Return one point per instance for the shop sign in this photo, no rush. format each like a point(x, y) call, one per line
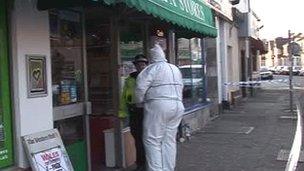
point(46, 151)
point(188, 6)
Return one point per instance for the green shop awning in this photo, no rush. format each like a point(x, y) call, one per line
point(191, 14)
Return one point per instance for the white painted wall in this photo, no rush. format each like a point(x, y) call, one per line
point(222, 56)
point(233, 59)
point(29, 35)
point(229, 61)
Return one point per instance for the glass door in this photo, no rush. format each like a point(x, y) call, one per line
point(101, 87)
point(6, 153)
point(69, 106)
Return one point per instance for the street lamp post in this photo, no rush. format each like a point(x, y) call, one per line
point(290, 74)
point(294, 49)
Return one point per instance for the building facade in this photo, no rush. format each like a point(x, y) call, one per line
point(251, 47)
point(227, 53)
point(63, 65)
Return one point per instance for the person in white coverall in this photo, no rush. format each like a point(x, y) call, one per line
point(159, 88)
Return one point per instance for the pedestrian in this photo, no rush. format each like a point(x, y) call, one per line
point(129, 109)
point(159, 89)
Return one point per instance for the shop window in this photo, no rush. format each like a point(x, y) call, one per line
point(158, 36)
point(131, 44)
point(71, 129)
point(190, 62)
point(100, 62)
point(66, 39)
point(66, 55)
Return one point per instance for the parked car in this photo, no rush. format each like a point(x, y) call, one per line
point(265, 74)
point(296, 70)
point(278, 69)
point(192, 79)
point(272, 69)
point(301, 72)
point(284, 70)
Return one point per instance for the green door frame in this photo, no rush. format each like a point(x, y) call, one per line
point(6, 144)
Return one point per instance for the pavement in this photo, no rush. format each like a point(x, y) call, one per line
point(256, 135)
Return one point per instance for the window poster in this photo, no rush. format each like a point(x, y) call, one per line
point(6, 145)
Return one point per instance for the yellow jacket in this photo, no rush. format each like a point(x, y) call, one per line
point(127, 96)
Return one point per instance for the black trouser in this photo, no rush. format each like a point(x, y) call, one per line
point(136, 125)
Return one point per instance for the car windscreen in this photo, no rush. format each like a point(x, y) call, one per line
point(191, 72)
point(263, 70)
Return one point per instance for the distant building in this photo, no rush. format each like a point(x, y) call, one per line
point(278, 53)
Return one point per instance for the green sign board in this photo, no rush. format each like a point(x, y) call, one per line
point(6, 149)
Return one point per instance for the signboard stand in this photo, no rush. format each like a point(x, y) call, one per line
point(46, 151)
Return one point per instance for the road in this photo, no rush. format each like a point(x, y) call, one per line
point(282, 82)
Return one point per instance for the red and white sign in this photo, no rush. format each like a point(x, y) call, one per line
point(51, 160)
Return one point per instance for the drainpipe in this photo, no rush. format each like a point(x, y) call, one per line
point(219, 62)
point(248, 74)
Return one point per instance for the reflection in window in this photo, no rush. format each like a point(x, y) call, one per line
point(131, 44)
point(66, 55)
point(71, 129)
point(189, 57)
point(99, 63)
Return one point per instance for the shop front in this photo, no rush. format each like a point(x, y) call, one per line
point(113, 33)
point(90, 47)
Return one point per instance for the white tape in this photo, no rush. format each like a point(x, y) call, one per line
point(257, 83)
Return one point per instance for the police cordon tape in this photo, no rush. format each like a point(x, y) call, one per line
point(257, 83)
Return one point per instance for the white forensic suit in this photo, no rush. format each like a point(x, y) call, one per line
point(159, 88)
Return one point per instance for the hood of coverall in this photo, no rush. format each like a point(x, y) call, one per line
point(157, 54)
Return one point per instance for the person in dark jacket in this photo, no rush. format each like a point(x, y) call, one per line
point(128, 108)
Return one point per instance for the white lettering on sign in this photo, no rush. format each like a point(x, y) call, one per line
point(3, 152)
point(191, 7)
point(3, 157)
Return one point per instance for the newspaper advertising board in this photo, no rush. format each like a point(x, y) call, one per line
point(46, 151)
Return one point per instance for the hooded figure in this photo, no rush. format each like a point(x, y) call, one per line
point(159, 88)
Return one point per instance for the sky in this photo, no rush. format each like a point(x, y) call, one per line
point(279, 16)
